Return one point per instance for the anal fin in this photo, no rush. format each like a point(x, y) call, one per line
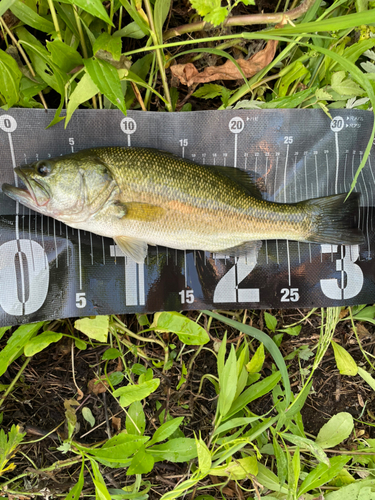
point(133, 248)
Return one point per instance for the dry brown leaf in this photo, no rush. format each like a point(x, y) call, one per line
point(97, 387)
point(189, 75)
point(362, 331)
point(116, 423)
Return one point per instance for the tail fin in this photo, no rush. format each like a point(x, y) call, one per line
point(336, 220)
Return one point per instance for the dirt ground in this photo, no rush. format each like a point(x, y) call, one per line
point(37, 402)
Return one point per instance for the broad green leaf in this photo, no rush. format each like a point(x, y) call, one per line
point(345, 86)
point(254, 392)
point(135, 422)
point(3, 330)
point(132, 393)
point(116, 378)
point(271, 321)
point(85, 90)
point(221, 355)
point(88, 416)
point(235, 422)
point(161, 10)
point(360, 490)
point(209, 91)
point(118, 449)
point(136, 16)
point(106, 78)
point(31, 18)
point(93, 7)
point(292, 101)
point(175, 450)
point(367, 314)
point(64, 56)
point(95, 328)
point(323, 473)
point(281, 461)
point(142, 462)
point(132, 30)
point(268, 344)
point(256, 362)
point(237, 469)
point(10, 77)
point(5, 5)
point(42, 62)
point(204, 456)
point(294, 71)
point(80, 344)
point(366, 377)
point(111, 354)
point(16, 344)
point(291, 330)
point(188, 331)
point(314, 448)
point(345, 363)
point(40, 342)
point(29, 88)
point(212, 11)
point(109, 43)
point(8, 446)
point(101, 491)
point(228, 383)
point(269, 480)
point(166, 430)
point(179, 490)
point(299, 401)
point(75, 492)
point(335, 431)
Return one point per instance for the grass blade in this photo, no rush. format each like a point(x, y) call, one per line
point(266, 340)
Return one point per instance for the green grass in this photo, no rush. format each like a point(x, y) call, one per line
point(97, 55)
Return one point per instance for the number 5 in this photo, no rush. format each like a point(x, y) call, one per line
point(81, 300)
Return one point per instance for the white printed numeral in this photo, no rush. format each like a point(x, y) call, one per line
point(354, 276)
point(236, 125)
point(81, 300)
point(289, 295)
point(134, 278)
point(288, 139)
point(227, 289)
point(187, 296)
point(24, 277)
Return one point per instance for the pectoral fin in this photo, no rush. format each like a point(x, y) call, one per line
point(144, 212)
point(133, 248)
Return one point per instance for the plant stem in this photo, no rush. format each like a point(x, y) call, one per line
point(55, 19)
point(23, 54)
point(10, 388)
point(159, 55)
point(247, 20)
point(83, 45)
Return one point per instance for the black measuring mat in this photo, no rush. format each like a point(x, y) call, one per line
point(49, 270)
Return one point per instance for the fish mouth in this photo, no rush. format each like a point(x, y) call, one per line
point(34, 195)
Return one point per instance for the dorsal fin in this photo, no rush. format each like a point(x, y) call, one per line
point(247, 180)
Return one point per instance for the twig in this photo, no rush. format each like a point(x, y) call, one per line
point(159, 55)
point(247, 20)
point(138, 96)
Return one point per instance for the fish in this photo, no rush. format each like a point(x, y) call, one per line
point(143, 196)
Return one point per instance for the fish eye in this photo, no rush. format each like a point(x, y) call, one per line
point(43, 168)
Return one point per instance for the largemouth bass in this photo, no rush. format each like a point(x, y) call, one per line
point(140, 197)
